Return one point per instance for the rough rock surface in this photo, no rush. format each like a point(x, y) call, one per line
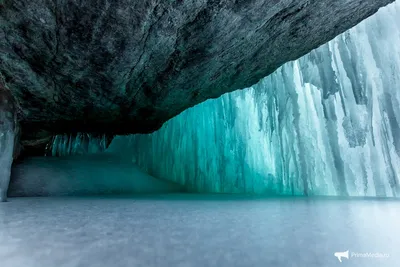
point(127, 66)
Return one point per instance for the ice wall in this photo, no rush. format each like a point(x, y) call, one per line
point(326, 124)
point(77, 144)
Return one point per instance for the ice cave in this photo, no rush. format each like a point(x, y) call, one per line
point(325, 124)
point(199, 133)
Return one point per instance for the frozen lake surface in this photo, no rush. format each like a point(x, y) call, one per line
point(197, 230)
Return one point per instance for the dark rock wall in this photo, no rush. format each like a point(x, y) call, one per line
point(127, 66)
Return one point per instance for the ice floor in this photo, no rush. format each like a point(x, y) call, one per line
point(198, 230)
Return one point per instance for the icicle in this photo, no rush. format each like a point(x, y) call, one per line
point(77, 144)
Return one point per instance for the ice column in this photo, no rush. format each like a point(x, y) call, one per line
point(7, 139)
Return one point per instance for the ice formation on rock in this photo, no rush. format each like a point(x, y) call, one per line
point(77, 144)
point(8, 132)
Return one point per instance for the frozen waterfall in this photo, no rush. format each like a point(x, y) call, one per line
point(326, 124)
